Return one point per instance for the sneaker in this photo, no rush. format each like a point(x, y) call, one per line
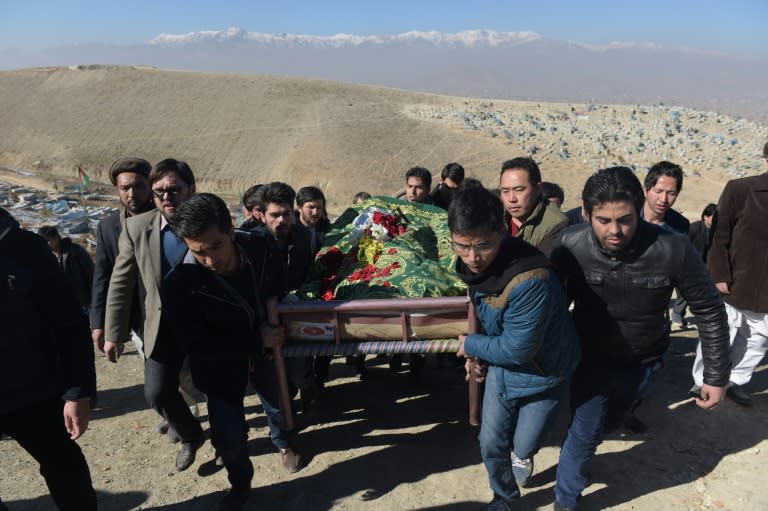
point(522, 470)
point(560, 507)
point(291, 460)
point(186, 455)
point(234, 500)
point(695, 391)
point(738, 395)
point(498, 504)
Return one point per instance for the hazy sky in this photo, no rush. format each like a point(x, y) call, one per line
point(728, 25)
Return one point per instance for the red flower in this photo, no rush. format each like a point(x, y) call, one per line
point(392, 251)
point(386, 284)
point(328, 295)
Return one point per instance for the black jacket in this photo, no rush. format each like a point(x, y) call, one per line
point(296, 257)
point(107, 236)
point(78, 264)
point(216, 320)
point(45, 345)
point(701, 238)
point(621, 301)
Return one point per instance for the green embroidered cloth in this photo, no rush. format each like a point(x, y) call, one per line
point(415, 263)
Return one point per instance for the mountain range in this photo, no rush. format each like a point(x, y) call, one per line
point(474, 63)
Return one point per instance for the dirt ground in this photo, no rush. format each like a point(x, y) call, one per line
point(385, 444)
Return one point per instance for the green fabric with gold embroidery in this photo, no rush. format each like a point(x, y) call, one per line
point(419, 262)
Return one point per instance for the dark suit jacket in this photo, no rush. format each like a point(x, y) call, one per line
point(700, 237)
point(107, 236)
point(139, 259)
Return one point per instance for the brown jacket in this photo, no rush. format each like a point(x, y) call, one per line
point(140, 257)
point(739, 252)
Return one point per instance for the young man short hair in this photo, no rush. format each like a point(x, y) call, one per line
point(451, 178)
point(663, 184)
point(529, 215)
point(527, 339)
point(620, 271)
point(418, 182)
point(216, 305)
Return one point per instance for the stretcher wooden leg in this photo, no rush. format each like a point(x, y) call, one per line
point(282, 389)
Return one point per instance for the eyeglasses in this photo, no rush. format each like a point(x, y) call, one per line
point(171, 191)
point(480, 248)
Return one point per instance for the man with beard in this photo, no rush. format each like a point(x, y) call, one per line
point(148, 249)
point(450, 179)
point(129, 177)
point(620, 272)
point(529, 215)
point(310, 212)
point(290, 243)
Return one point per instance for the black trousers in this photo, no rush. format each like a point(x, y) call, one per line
point(40, 430)
point(161, 388)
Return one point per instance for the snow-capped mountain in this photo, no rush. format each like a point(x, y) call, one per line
point(469, 38)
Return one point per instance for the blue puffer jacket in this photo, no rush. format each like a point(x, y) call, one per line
point(528, 337)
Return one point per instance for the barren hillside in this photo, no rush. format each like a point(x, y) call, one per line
point(237, 130)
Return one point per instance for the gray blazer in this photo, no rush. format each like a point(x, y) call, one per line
point(140, 257)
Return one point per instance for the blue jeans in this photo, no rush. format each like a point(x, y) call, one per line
point(513, 424)
point(601, 398)
point(264, 381)
point(229, 436)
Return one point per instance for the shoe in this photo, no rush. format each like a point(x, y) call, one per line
point(291, 460)
point(560, 507)
point(522, 470)
point(162, 428)
point(738, 395)
point(695, 391)
point(307, 396)
point(234, 500)
point(498, 504)
point(186, 455)
point(172, 436)
point(635, 425)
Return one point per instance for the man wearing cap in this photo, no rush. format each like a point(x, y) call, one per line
point(129, 177)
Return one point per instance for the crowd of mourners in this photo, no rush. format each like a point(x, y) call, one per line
point(572, 305)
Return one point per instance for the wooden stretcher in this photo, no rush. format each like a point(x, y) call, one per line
point(373, 326)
